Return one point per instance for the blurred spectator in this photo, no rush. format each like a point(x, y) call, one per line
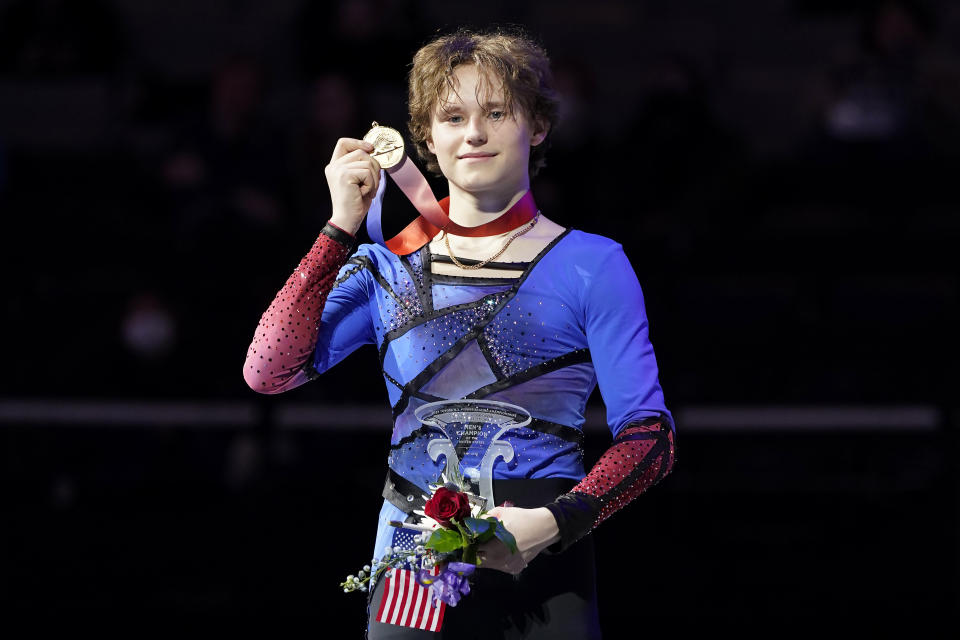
point(227, 188)
point(226, 172)
point(3, 166)
point(55, 38)
point(330, 112)
point(874, 147)
point(685, 161)
point(577, 85)
point(876, 92)
point(149, 328)
point(370, 39)
point(370, 43)
point(572, 145)
point(244, 464)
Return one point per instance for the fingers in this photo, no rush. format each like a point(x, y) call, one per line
point(353, 164)
point(347, 145)
point(364, 172)
point(362, 175)
point(353, 177)
point(495, 555)
point(357, 154)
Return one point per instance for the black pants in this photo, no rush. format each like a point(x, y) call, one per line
point(552, 599)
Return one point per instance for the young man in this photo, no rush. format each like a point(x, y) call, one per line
point(523, 312)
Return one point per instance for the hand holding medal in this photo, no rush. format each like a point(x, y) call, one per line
point(353, 177)
point(388, 151)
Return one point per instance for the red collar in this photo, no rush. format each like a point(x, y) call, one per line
point(518, 215)
point(421, 231)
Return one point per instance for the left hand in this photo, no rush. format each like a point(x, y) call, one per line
point(534, 530)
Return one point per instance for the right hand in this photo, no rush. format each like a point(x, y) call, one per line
point(533, 529)
point(353, 177)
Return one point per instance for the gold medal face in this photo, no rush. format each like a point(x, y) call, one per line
point(387, 145)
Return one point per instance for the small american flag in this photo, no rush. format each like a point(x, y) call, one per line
point(409, 604)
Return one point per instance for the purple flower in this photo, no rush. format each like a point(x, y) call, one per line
point(451, 584)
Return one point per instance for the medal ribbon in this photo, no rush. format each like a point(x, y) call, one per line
point(434, 216)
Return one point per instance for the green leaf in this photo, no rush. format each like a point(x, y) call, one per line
point(480, 530)
point(506, 537)
point(444, 540)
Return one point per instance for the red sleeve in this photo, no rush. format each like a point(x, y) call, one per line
point(286, 337)
point(641, 455)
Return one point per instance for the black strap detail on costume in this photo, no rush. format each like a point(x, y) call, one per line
point(402, 493)
point(440, 278)
point(428, 316)
point(426, 300)
point(309, 370)
point(390, 378)
point(578, 356)
point(339, 235)
point(424, 254)
point(561, 431)
point(349, 272)
point(527, 493)
point(662, 447)
point(488, 356)
point(367, 264)
point(660, 419)
point(426, 258)
point(506, 266)
point(427, 374)
point(410, 437)
point(576, 513)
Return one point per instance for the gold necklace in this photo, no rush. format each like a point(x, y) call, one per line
point(480, 265)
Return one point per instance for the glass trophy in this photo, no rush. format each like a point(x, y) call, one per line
point(470, 439)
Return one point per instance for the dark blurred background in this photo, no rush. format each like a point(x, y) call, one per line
point(778, 171)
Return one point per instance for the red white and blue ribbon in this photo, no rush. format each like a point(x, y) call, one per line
point(434, 215)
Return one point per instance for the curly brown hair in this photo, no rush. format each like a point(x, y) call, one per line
point(510, 56)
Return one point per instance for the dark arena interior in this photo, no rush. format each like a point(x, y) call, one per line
point(778, 174)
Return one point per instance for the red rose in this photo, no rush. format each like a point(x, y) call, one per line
point(447, 505)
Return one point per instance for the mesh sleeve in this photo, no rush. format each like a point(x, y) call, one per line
point(640, 456)
point(285, 339)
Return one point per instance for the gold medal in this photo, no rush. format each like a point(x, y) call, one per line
point(387, 145)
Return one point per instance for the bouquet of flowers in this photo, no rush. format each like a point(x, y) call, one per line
point(452, 527)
